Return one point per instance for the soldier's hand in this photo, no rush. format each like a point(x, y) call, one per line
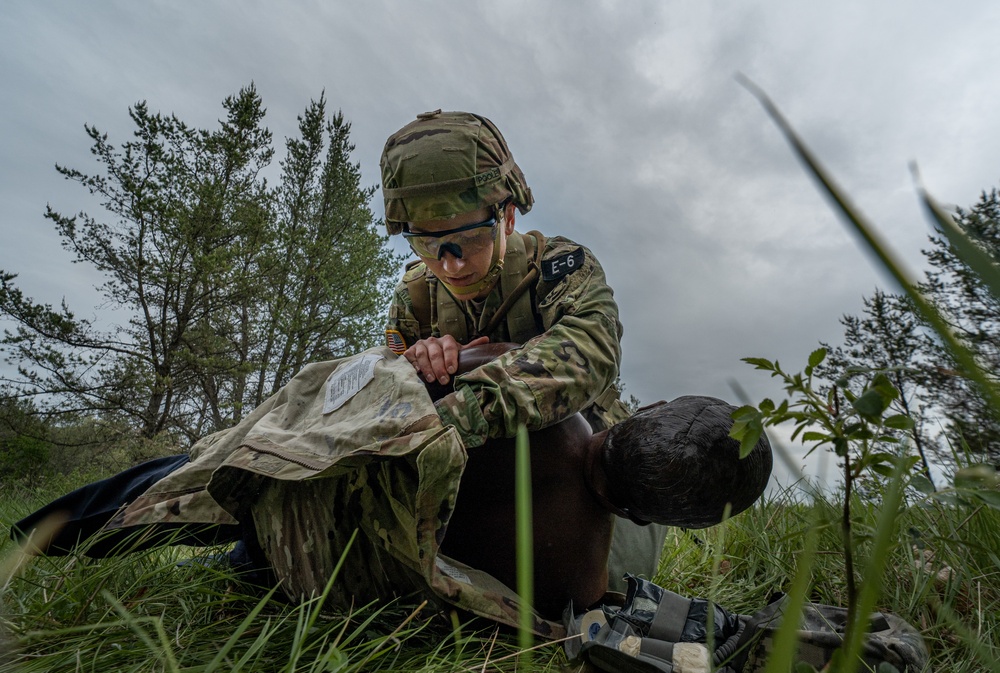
point(436, 359)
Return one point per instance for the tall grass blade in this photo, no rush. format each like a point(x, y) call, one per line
point(162, 650)
point(786, 641)
point(963, 356)
point(310, 609)
point(985, 654)
point(391, 637)
point(238, 633)
point(713, 592)
point(525, 550)
point(871, 586)
point(970, 252)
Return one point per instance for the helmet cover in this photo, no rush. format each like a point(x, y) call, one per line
point(445, 164)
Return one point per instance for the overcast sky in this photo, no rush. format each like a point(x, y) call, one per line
point(625, 117)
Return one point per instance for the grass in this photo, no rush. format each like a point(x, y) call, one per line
point(143, 613)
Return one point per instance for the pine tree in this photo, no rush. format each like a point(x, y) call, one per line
point(230, 285)
point(887, 337)
point(936, 393)
point(974, 315)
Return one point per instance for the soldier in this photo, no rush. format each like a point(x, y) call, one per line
point(452, 189)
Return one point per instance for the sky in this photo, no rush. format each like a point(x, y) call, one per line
point(626, 118)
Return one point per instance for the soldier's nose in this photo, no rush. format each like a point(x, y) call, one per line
point(452, 263)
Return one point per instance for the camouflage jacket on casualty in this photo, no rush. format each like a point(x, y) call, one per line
point(570, 359)
point(381, 463)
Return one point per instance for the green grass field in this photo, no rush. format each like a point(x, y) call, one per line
point(144, 613)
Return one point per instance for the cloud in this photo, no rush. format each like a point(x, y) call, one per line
point(624, 116)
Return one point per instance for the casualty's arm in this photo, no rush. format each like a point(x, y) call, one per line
point(469, 359)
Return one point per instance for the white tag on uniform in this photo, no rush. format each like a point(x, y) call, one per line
point(347, 380)
point(451, 571)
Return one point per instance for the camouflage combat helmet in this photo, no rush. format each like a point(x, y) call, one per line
point(445, 164)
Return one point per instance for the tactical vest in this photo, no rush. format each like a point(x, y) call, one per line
point(434, 306)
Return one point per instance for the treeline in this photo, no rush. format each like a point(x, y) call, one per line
point(229, 284)
point(950, 412)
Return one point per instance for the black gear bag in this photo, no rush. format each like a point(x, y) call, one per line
point(658, 631)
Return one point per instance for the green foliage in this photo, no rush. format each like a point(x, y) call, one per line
point(820, 419)
point(856, 433)
point(21, 458)
point(936, 389)
point(963, 283)
point(24, 448)
point(229, 285)
point(879, 393)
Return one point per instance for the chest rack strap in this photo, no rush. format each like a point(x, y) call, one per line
point(420, 298)
point(535, 266)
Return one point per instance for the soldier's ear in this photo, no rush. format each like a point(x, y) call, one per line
point(508, 218)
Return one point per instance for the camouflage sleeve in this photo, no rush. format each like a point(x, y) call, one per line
point(557, 373)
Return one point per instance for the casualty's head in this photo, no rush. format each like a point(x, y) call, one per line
point(451, 188)
point(675, 463)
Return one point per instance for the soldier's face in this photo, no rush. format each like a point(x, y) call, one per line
point(472, 266)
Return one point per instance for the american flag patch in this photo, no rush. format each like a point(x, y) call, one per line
point(395, 341)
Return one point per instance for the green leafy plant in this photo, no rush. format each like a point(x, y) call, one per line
point(853, 426)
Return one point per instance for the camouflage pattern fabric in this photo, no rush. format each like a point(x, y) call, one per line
point(563, 370)
point(381, 463)
point(653, 629)
point(891, 640)
point(444, 164)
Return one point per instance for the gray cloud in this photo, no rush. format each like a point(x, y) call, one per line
point(625, 117)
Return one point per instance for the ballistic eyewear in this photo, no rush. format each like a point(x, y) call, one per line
point(468, 239)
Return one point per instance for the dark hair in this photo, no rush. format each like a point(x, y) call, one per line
point(674, 463)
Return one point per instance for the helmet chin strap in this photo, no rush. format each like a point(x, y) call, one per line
point(487, 282)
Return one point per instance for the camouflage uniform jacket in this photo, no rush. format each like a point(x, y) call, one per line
point(347, 445)
point(568, 323)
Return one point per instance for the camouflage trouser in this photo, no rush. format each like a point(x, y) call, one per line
point(305, 528)
point(890, 639)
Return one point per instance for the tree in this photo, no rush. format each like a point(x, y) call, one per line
point(891, 336)
point(325, 264)
point(230, 285)
point(887, 338)
point(24, 445)
point(974, 315)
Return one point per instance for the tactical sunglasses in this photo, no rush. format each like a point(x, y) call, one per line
point(468, 239)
